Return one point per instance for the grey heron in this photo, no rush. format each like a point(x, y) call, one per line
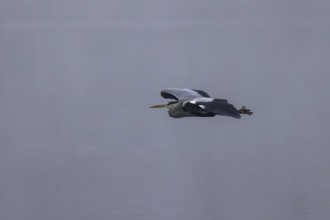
point(197, 103)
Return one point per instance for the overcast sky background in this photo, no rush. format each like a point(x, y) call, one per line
point(78, 141)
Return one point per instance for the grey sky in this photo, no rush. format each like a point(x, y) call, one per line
point(78, 140)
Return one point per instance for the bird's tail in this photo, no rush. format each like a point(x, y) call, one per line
point(245, 111)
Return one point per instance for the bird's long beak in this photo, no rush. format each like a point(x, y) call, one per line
point(159, 106)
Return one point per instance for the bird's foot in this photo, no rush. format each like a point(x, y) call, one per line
point(245, 111)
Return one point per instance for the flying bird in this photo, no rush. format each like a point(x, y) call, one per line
point(197, 103)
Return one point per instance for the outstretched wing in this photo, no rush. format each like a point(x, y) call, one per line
point(208, 106)
point(178, 93)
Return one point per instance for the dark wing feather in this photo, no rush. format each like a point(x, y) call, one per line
point(167, 95)
point(196, 110)
point(202, 93)
point(221, 100)
point(220, 107)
